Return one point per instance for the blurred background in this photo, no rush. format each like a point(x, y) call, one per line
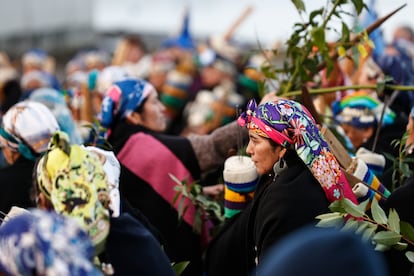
point(62, 27)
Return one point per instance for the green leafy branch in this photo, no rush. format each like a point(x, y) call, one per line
point(401, 163)
point(385, 232)
point(205, 208)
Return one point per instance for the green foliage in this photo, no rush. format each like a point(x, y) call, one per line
point(401, 163)
point(307, 50)
point(97, 132)
point(179, 267)
point(205, 208)
point(385, 232)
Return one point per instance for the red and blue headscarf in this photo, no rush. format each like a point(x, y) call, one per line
point(122, 98)
point(290, 124)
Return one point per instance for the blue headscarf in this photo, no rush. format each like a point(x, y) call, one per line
point(45, 243)
point(122, 98)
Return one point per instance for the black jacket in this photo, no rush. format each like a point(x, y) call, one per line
point(16, 185)
point(281, 205)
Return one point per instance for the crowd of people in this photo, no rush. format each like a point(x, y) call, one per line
point(89, 161)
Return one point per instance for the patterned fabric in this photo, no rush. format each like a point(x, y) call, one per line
point(74, 180)
point(123, 98)
point(27, 128)
point(290, 124)
point(361, 110)
point(112, 169)
point(45, 243)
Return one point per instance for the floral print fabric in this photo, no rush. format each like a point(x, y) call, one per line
point(290, 124)
point(45, 243)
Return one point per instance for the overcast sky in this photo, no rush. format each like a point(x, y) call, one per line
point(271, 20)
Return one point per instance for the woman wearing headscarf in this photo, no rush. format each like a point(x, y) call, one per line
point(136, 120)
point(299, 178)
point(74, 181)
point(24, 135)
point(359, 115)
point(45, 243)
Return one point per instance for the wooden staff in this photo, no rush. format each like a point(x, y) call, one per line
point(227, 36)
point(358, 38)
point(341, 154)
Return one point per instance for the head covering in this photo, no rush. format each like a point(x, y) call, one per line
point(56, 102)
point(184, 40)
point(27, 127)
point(74, 180)
point(361, 111)
point(112, 169)
point(290, 124)
point(108, 76)
point(34, 57)
point(45, 243)
point(323, 252)
point(122, 98)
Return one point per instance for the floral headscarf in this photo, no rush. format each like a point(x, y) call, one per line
point(45, 243)
point(74, 180)
point(290, 124)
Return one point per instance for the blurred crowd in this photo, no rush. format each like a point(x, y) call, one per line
point(102, 145)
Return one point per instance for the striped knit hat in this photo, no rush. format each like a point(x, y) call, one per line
point(240, 177)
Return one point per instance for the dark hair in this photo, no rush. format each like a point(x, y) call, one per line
point(140, 108)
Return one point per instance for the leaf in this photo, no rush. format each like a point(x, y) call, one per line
point(361, 227)
point(330, 222)
point(362, 50)
point(299, 5)
point(345, 33)
point(337, 206)
point(341, 51)
point(410, 256)
point(179, 267)
point(318, 36)
point(363, 205)
point(315, 13)
point(377, 213)
point(352, 209)
point(400, 246)
point(330, 215)
point(369, 232)
point(359, 5)
point(350, 225)
point(407, 230)
point(382, 247)
point(394, 220)
point(386, 238)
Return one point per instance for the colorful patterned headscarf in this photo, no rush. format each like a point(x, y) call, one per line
point(27, 127)
point(361, 110)
point(122, 98)
point(290, 124)
point(45, 243)
point(74, 180)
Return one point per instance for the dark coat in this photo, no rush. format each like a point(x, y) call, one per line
point(281, 205)
point(133, 250)
point(16, 185)
point(181, 243)
point(385, 145)
point(402, 201)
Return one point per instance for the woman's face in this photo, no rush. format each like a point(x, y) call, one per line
point(263, 154)
point(357, 136)
point(153, 113)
